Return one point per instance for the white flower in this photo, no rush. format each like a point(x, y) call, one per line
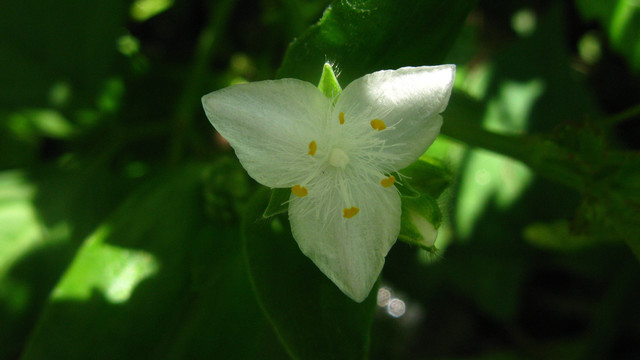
point(338, 160)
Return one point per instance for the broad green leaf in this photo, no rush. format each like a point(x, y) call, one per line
point(361, 37)
point(156, 280)
point(44, 214)
point(312, 318)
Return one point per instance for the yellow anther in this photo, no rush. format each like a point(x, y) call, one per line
point(299, 191)
point(312, 148)
point(378, 124)
point(341, 117)
point(387, 182)
point(351, 212)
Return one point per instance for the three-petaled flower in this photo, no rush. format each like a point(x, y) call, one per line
point(338, 157)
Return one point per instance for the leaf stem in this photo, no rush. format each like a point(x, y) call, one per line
point(625, 115)
point(544, 157)
point(189, 102)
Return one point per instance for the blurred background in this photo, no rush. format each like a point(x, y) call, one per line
point(127, 226)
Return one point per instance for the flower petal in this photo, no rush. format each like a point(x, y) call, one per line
point(351, 251)
point(270, 125)
point(408, 101)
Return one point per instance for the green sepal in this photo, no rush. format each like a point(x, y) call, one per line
point(329, 83)
point(406, 190)
point(421, 218)
point(426, 177)
point(278, 203)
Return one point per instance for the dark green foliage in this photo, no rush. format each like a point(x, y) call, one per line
point(129, 230)
point(360, 37)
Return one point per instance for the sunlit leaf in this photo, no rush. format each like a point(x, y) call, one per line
point(621, 20)
point(44, 213)
point(159, 280)
point(36, 122)
point(20, 229)
point(112, 270)
point(142, 10)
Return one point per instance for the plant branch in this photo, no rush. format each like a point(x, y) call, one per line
point(623, 116)
point(544, 157)
point(189, 102)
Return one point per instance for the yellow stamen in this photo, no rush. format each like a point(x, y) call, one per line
point(351, 212)
point(312, 148)
point(299, 191)
point(387, 182)
point(341, 118)
point(378, 124)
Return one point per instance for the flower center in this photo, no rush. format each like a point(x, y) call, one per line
point(338, 158)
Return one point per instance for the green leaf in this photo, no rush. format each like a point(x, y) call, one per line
point(361, 37)
point(45, 122)
point(142, 10)
point(45, 213)
point(610, 208)
point(329, 83)
point(156, 280)
point(313, 319)
point(278, 203)
point(625, 32)
point(15, 152)
point(491, 276)
point(18, 234)
point(557, 236)
point(621, 19)
point(522, 95)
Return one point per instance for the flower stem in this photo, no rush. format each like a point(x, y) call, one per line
point(189, 102)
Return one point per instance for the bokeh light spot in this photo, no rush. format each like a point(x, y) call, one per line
point(523, 22)
point(396, 308)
